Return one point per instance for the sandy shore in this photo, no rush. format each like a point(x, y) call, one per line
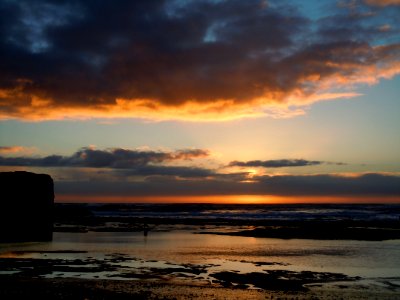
point(38, 288)
point(230, 270)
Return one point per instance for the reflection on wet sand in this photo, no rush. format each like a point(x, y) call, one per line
point(134, 255)
point(211, 256)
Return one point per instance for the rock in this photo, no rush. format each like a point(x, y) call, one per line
point(26, 207)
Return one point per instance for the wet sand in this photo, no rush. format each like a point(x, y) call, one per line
point(27, 279)
point(52, 276)
point(39, 288)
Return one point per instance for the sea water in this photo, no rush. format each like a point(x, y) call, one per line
point(184, 245)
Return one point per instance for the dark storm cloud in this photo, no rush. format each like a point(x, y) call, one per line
point(279, 163)
point(113, 158)
point(88, 52)
point(289, 185)
point(87, 55)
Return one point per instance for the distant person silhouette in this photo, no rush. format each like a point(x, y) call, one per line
point(146, 229)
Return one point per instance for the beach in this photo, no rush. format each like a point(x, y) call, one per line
point(112, 289)
point(211, 252)
point(200, 149)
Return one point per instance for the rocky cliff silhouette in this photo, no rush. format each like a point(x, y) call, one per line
point(26, 207)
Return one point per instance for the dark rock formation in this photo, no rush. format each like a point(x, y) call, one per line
point(26, 207)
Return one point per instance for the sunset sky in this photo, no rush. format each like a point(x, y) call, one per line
point(203, 100)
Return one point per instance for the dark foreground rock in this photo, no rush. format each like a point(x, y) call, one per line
point(280, 280)
point(26, 207)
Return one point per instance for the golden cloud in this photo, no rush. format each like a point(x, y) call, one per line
point(11, 149)
point(242, 61)
point(382, 2)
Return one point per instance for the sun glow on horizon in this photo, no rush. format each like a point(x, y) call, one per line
point(227, 199)
point(173, 115)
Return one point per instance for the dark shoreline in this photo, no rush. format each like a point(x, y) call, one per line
point(326, 221)
point(310, 229)
point(272, 280)
point(316, 230)
point(319, 230)
point(72, 289)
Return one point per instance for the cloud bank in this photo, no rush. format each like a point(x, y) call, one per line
point(136, 173)
point(116, 158)
point(373, 184)
point(279, 163)
point(190, 60)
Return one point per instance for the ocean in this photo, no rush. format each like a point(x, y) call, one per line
point(200, 243)
point(228, 212)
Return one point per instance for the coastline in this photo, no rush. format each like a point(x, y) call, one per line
point(109, 256)
point(307, 221)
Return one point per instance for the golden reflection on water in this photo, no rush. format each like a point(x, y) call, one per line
point(243, 254)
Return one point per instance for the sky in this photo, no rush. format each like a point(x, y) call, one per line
point(224, 101)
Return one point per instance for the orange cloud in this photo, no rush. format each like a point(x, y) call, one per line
point(242, 61)
point(11, 149)
point(7, 150)
point(382, 2)
point(319, 80)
